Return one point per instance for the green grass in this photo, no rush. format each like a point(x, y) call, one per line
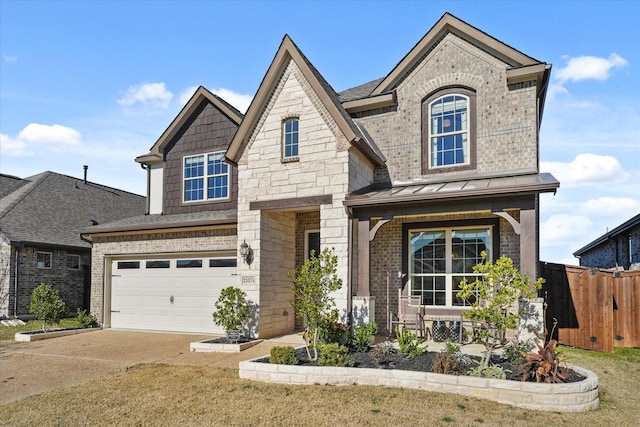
point(158, 394)
point(7, 333)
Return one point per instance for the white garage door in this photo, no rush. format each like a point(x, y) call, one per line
point(169, 294)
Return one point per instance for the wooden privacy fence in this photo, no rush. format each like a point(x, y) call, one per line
point(596, 309)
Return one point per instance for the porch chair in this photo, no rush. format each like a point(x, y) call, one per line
point(410, 315)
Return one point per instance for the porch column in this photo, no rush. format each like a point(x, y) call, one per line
point(362, 289)
point(528, 243)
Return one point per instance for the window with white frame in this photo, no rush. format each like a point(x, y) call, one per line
point(43, 259)
point(73, 262)
point(290, 139)
point(439, 259)
point(449, 131)
point(448, 139)
point(206, 177)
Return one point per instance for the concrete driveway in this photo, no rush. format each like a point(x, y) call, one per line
point(28, 369)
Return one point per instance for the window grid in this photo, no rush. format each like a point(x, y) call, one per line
point(449, 131)
point(291, 138)
point(216, 177)
point(43, 259)
point(441, 259)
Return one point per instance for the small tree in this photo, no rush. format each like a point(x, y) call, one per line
point(492, 297)
point(312, 286)
point(46, 305)
point(232, 309)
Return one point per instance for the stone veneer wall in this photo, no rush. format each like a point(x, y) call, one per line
point(5, 275)
point(322, 168)
point(570, 397)
point(386, 256)
point(506, 118)
point(106, 248)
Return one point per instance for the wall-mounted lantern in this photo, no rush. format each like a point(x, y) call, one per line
point(246, 252)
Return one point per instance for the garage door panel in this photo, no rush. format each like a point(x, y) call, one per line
point(141, 298)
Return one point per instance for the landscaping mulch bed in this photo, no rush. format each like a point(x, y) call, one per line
point(423, 362)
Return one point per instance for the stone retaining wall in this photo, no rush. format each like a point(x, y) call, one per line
point(571, 397)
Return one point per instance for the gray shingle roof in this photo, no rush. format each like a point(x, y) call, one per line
point(359, 92)
point(49, 208)
point(159, 221)
point(9, 184)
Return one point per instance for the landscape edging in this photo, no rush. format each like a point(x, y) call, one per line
point(566, 397)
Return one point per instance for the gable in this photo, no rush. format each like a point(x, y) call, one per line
point(326, 96)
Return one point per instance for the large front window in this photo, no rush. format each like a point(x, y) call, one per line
point(449, 131)
point(206, 183)
point(440, 259)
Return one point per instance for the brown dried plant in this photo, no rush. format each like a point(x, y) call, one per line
point(545, 366)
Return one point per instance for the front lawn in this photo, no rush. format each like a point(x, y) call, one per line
point(7, 333)
point(157, 394)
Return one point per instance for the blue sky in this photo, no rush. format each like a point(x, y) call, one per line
point(97, 82)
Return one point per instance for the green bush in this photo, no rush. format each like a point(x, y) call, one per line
point(335, 354)
point(330, 329)
point(46, 305)
point(232, 309)
point(362, 336)
point(86, 320)
point(409, 344)
point(284, 355)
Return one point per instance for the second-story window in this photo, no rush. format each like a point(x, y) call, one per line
point(206, 177)
point(448, 140)
point(290, 139)
point(449, 131)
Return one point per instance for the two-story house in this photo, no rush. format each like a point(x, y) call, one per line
point(408, 179)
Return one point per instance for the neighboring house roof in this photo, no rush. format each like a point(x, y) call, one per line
point(454, 189)
point(9, 184)
point(164, 222)
point(621, 229)
point(288, 51)
point(184, 118)
point(49, 208)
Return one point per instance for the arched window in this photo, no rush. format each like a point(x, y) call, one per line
point(448, 124)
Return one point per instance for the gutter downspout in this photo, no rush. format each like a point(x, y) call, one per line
point(16, 280)
point(148, 169)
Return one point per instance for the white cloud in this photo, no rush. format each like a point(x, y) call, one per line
point(12, 147)
point(41, 136)
point(586, 170)
point(238, 100)
point(562, 229)
point(616, 208)
point(45, 134)
point(186, 94)
point(589, 67)
point(154, 95)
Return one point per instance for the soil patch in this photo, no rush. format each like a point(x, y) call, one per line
point(423, 363)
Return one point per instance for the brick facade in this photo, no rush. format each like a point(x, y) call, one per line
point(72, 284)
point(620, 251)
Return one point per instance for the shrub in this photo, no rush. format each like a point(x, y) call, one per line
point(330, 329)
point(451, 348)
point(284, 355)
point(46, 305)
point(514, 352)
point(86, 320)
point(409, 344)
point(445, 363)
point(492, 296)
point(232, 309)
point(313, 284)
point(335, 354)
point(362, 336)
point(491, 371)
